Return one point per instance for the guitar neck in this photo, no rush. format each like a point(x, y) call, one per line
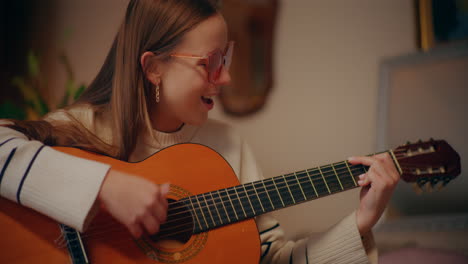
point(226, 206)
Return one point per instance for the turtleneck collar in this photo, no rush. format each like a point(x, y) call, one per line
point(162, 140)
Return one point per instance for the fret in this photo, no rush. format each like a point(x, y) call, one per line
point(300, 186)
point(395, 161)
point(285, 193)
point(229, 202)
point(195, 211)
point(208, 208)
point(344, 176)
point(279, 194)
point(216, 208)
point(224, 207)
point(244, 200)
point(331, 179)
point(336, 174)
point(289, 190)
point(323, 177)
point(264, 193)
point(254, 197)
point(350, 173)
point(306, 184)
point(204, 210)
point(312, 183)
point(294, 188)
point(318, 182)
point(361, 169)
point(248, 198)
point(237, 201)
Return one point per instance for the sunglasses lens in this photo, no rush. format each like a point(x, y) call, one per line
point(228, 56)
point(214, 66)
point(217, 60)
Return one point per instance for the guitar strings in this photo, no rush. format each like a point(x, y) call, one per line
point(286, 180)
point(247, 195)
point(269, 183)
point(242, 193)
point(189, 223)
point(208, 206)
point(122, 231)
point(314, 176)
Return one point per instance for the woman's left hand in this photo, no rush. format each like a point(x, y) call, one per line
point(378, 185)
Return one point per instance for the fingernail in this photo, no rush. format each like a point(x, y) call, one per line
point(350, 158)
point(360, 182)
point(361, 176)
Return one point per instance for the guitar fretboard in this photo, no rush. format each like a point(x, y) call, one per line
point(222, 207)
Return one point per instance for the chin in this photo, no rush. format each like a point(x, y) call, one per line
point(199, 121)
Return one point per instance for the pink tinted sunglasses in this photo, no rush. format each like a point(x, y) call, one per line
point(214, 61)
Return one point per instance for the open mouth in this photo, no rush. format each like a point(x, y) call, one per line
point(207, 100)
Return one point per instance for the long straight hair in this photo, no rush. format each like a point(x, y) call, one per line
point(121, 91)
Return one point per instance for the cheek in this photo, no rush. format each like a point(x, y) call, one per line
point(186, 76)
point(182, 92)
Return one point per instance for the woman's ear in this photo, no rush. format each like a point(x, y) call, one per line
point(151, 67)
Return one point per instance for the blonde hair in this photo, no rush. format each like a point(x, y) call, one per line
point(121, 89)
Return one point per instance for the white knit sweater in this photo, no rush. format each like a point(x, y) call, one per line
point(65, 187)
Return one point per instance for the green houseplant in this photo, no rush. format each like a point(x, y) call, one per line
point(33, 106)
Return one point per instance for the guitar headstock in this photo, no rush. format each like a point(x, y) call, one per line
point(428, 164)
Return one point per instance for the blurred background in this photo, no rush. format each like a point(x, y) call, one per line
point(347, 78)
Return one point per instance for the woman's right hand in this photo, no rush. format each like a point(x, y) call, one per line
point(135, 202)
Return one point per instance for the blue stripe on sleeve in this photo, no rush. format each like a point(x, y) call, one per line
point(26, 174)
point(12, 153)
point(268, 244)
point(269, 229)
point(6, 141)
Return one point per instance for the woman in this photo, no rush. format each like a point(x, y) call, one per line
point(155, 89)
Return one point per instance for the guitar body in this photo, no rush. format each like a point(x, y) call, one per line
point(29, 237)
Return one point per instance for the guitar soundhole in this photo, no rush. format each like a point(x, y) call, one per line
point(177, 230)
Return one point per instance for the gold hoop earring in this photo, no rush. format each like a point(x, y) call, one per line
point(157, 94)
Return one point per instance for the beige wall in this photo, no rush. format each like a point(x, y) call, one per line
point(323, 106)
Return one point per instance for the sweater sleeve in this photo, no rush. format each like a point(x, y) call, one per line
point(53, 183)
point(342, 243)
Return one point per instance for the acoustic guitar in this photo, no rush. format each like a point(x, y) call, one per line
point(210, 215)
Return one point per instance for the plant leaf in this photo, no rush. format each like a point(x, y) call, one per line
point(9, 110)
point(31, 96)
point(79, 92)
point(33, 64)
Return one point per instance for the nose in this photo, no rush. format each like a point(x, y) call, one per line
point(224, 77)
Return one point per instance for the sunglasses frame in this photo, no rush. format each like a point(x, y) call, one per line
point(214, 71)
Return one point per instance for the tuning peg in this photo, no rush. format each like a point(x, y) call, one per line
point(417, 189)
point(442, 170)
point(439, 185)
point(446, 180)
point(428, 187)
